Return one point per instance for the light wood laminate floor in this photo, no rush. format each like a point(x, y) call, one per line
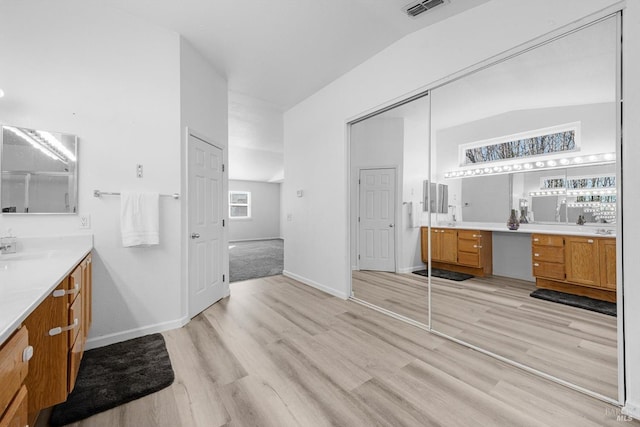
point(279, 353)
point(497, 314)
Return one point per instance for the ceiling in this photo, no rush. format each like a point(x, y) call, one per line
point(282, 51)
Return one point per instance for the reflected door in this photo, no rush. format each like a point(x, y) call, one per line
point(377, 219)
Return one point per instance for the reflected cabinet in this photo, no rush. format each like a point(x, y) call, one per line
point(460, 250)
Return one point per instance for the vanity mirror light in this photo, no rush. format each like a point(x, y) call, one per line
point(39, 171)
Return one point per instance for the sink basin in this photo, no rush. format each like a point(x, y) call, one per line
point(22, 256)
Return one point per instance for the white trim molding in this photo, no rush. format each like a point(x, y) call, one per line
point(104, 340)
point(316, 285)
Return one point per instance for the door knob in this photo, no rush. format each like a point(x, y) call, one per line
point(195, 236)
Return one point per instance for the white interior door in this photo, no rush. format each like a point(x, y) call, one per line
point(206, 217)
point(377, 220)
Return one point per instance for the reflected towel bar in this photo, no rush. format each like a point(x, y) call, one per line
point(98, 193)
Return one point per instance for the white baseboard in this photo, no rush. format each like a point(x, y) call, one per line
point(96, 342)
point(316, 285)
point(632, 410)
point(253, 240)
point(411, 269)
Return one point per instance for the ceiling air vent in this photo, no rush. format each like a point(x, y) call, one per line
point(415, 9)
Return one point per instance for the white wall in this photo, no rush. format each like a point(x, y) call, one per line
point(255, 139)
point(415, 171)
point(315, 135)
point(203, 111)
point(265, 212)
point(114, 81)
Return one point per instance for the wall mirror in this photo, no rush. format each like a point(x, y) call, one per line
point(538, 134)
point(39, 172)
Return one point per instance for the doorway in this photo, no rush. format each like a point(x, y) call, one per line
point(205, 224)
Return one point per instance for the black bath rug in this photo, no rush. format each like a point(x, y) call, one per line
point(445, 274)
point(116, 374)
point(604, 307)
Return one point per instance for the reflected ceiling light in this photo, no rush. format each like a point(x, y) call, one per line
point(602, 158)
point(57, 145)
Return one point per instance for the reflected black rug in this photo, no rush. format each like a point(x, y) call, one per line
point(116, 374)
point(604, 307)
point(445, 274)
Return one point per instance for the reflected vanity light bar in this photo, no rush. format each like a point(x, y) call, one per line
point(20, 133)
point(523, 166)
point(576, 192)
point(53, 141)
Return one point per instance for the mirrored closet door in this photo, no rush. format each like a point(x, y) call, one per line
point(528, 150)
point(389, 155)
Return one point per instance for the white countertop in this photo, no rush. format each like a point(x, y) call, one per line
point(567, 229)
point(29, 275)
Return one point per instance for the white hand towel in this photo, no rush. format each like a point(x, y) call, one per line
point(139, 218)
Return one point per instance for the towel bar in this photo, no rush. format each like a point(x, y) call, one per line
point(98, 193)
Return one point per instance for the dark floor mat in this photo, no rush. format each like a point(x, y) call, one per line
point(445, 274)
point(604, 307)
point(116, 374)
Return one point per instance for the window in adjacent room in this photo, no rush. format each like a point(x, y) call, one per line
point(239, 204)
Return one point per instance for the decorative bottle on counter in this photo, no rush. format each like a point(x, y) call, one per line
point(513, 223)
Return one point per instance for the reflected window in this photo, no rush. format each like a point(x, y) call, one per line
point(536, 143)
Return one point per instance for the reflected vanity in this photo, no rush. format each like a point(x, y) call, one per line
point(39, 172)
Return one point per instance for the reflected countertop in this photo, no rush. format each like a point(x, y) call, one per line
point(29, 275)
point(597, 230)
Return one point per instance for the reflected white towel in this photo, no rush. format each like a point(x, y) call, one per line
point(139, 218)
point(414, 214)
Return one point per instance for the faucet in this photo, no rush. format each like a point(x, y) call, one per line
point(453, 213)
point(8, 243)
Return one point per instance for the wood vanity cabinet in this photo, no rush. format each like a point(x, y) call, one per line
point(461, 250)
point(575, 264)
point(14, 366)
point(444, 245)
point(58, 329)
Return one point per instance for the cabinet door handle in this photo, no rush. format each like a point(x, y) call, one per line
point(477, 235)
point(589, 240)
point(536, 254)
point(535, 264)
point(61, 292)
point(536, 240)
point(61, 329)
point(27, 353)
point(477, 246)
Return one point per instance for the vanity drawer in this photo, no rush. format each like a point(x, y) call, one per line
point(548, 253)
point(75, 355)
point(549, 270)
point(17, 413)
point(75, 283)
point(75, 318)
point(469, 234)
point(13, 369)
point(547, 240)
point(471, 246)
point(470, 259)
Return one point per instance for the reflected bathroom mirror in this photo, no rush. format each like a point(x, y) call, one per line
point(39, 172)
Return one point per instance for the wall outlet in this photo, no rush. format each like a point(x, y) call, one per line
point(85, 221)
